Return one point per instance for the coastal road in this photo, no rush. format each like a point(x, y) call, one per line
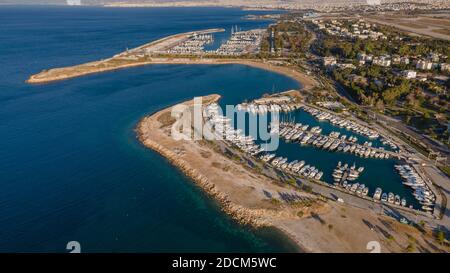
point(405, 129)
point(443, 183)
point(396, 212)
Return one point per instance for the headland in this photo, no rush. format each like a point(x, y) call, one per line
point(244, 192)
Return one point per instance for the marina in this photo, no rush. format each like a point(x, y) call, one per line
point(194, 45)
point(344, 174)
point(299, 133)
point(341, 122)
point(239, 43)
point(224, 130)
point(315, 155)
point(421, 191)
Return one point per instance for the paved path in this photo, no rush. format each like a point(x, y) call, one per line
point(443, 183)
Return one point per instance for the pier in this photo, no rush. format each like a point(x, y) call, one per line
point(297, 132)
point(299, 169)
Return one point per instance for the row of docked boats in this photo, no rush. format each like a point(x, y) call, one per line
point(297, 132)
point(389, 198)
point(255, 108)
point(390, 143)
point(341, 122)
point(224, 130)
point(357, 188)
point(362, 190)
point(240, 42)
point(296, 167)
point(195, 44)
point(422, 192)
point(343, 174)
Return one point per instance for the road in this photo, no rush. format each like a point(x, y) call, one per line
point(334, 193)
point(443, 184)
point(405, 129)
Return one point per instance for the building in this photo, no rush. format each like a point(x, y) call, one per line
point(404, 60)
point(364, 58)
point(433, 57)
point(345, 65)
point(382, 61)
point(445, 67)
point(329, 61)
point(424, 65)
point(396, 59)
point(409, 74)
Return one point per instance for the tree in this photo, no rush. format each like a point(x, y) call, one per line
point(390, 95)
point(441, 237)
point(403, 50)
point(408, 119)
point(411, 99)
point(379, 105)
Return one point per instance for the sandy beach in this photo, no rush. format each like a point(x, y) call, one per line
point(58, 74)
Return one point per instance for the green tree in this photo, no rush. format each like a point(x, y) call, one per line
point(441, 237)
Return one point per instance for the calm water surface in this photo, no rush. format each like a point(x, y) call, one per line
point(70, 165)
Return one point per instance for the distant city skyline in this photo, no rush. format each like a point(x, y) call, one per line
point(74, 2)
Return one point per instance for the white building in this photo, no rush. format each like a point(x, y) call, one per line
point(445, 67)
point(404, 60)
point(433, 57)
point(409, 74)
point(329, 61)
point(382, 61)
point(424, 65)
point(363, 58)
point(346, 65)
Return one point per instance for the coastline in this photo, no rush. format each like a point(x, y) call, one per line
point(247, 196)
point(254, 218)
point(238, 190)
point(306, 81)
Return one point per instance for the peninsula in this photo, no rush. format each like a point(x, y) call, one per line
point(156, 53)
point(250, 196)
point(134, 57)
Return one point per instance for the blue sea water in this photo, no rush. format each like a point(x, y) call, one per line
point(70, 165)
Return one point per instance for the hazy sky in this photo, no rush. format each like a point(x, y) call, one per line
point(32, 1)
point(90, 2)
point(83, 1)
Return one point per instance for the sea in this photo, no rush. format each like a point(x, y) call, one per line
point(71, 168)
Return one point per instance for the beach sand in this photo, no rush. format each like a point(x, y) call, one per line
point(64, 73)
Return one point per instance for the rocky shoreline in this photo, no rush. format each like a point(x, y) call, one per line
point(251, 217)
point(321, 226)
point(240, 214)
